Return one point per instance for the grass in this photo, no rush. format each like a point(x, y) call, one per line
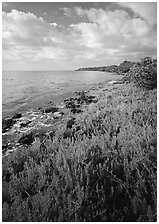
point(105, 172)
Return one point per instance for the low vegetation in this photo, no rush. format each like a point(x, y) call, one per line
point(104, 171)
point(143, 73)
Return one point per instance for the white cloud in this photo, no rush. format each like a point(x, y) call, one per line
point(27, 37)
point(106, 37)
point(114, 29)
point(147, 10)
point(26, 28)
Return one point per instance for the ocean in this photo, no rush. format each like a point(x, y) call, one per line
point(22, 90)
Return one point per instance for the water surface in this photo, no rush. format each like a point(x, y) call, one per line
point(25, 89)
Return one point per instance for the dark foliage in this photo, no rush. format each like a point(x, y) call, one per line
point(143, 73)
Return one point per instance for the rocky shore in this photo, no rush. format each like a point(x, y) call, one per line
point(23, 129)
point(89, 158)
point(104, 138)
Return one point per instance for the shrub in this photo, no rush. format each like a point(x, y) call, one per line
point(105, 174)
point(143, 73)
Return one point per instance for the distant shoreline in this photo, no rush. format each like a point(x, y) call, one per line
point(118, 69)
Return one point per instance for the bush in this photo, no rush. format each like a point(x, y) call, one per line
point(143, 73)
point(105, 174)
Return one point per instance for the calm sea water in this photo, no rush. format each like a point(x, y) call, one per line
point(26, 88)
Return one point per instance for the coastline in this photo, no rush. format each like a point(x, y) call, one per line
point(23, 105)
point(111, 138)
point(34, 119)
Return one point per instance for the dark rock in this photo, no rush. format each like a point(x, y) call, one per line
point(50, 109)
point(24, 124)
point(39, 108)
point(70, 123)
point(77, 105)
point(70, 104)
point(7, 124)
point(4, 147)
point(27, 139)
point(76, 111)
point(91, 97)
point(17, 115)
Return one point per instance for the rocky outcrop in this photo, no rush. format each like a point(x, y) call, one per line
point(39, 125)
point(27, 139)
point(75, 103)
point(17, 116)
point(7, 124)
point(50, 110)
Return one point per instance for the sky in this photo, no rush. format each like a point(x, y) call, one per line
point(69, 35)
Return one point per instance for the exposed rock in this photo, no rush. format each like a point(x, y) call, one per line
point(91, 97)
point(7, 124)
point(27, 139)
point(70, 104)
point(76, 111)
point(4, 147)
point(74, 103)
point(17, 115)
point(50, 110)
point(25, 123)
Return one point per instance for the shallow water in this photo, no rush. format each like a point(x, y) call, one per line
point(25, 89)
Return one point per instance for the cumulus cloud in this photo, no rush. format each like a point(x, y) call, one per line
point(105, 37)
point(115, 30)
point(27, 37)
point(147, 10)
point(27, 29)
